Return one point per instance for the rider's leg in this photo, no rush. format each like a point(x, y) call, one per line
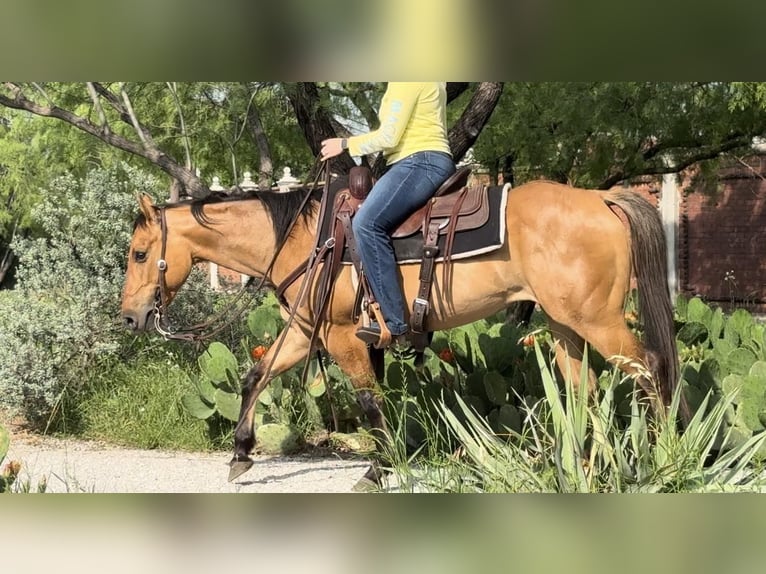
point(405, 187)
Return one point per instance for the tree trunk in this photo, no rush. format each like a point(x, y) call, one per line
point(454, 89)
point(265, 163)
point(467, 129)
point(315, 121)
point(5, 263)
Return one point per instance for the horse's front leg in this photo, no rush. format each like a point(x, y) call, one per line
point(292, 350)
point(356, 361)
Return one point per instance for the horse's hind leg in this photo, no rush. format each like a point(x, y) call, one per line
point(618, 345)
point(355, 361)
point(293, 349)
point(569, 348)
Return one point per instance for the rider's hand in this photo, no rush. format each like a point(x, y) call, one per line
point(331, 147)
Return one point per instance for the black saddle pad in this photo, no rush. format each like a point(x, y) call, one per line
point(469, 243)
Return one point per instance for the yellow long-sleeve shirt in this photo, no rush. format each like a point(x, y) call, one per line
point(412, 119)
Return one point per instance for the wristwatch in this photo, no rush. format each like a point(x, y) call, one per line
point(344, 143)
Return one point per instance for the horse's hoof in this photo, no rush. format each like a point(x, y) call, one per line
point(239, 465)
point(364, 484)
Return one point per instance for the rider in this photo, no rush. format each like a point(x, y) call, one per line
point(413, 138)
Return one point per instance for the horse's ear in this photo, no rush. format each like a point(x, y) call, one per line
point(147, 206)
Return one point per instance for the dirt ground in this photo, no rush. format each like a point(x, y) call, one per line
point(65, 465)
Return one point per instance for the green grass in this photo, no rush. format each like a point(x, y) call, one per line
point(139, 405)
point(571, 443)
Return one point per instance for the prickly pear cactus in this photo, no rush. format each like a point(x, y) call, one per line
point(725, 355)
point(750, 401)
point(274, 438)
point(217, 386)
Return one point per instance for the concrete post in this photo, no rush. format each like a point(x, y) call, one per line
point(669, 211)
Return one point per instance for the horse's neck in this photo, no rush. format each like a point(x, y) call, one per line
point(240, 237)
point(296, 250)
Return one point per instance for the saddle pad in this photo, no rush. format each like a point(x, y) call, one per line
point(469, 243)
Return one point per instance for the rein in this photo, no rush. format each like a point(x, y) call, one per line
point(200, 331)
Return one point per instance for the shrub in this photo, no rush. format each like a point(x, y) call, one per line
point(63, 315)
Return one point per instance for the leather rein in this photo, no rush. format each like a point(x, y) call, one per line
point(229, 313)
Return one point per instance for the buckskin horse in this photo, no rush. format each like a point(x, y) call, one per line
point(572, 251)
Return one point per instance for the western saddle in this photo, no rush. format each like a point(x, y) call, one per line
point(454, 207)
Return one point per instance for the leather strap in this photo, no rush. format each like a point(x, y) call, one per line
point(344, 216)
point(421, 304)
point(450, 240)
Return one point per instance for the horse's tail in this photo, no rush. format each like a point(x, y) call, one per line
point(649, 259)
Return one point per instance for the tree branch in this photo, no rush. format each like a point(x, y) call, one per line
point(148, 151)
point(97, 104)
point(705, 153)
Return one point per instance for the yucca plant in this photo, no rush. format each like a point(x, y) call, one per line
point(570, 442)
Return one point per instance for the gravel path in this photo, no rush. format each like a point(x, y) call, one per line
point(78, 466)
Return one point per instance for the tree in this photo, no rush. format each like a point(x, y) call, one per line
point(165, 123)
point(599, 134)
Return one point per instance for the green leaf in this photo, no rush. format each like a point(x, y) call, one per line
point(196, 407)
point(219, 364)
point(510, 418)
point(693, 333)
point(475, 403)
point(748, 415)
point(742, 322)
point(716, 325)
point(732, 384)
point(698, 312)
point(682, 308)
point(740, 360)
point(265, 397)
point(758, 370)
point(228, 404)
point(496, 387)
point(722, 348)
point(730, 334)
point(277, 438)
point(316, 387)
point(205, 389)
point(263, 323)
point(709, 374)
point(474, 384)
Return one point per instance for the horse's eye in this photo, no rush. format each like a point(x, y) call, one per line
point(139, 256)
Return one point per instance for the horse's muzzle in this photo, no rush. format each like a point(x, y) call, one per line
point(136, 322)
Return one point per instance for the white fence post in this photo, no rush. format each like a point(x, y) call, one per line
point(287, 181)
point(669, 199)
point(215, 283)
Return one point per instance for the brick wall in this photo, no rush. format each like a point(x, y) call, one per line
point(722, 248)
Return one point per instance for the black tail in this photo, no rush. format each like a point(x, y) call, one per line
point(649, 257)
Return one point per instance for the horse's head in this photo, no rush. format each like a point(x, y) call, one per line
point(152, 279)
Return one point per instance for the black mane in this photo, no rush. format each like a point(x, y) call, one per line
point(281, 207)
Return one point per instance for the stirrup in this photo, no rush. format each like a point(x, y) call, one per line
point(367, 333)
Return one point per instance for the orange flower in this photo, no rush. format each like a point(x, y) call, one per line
point(258, 352)
point(446, 355)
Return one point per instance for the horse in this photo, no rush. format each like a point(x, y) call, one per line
point(572, 251)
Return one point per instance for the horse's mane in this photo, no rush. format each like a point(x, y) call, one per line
point(281, 207)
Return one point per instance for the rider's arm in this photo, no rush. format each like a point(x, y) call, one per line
point(395, 111)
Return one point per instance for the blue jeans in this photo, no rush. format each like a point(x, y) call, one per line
point(406, 186)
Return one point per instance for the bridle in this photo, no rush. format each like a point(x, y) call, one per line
point(236, 307)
